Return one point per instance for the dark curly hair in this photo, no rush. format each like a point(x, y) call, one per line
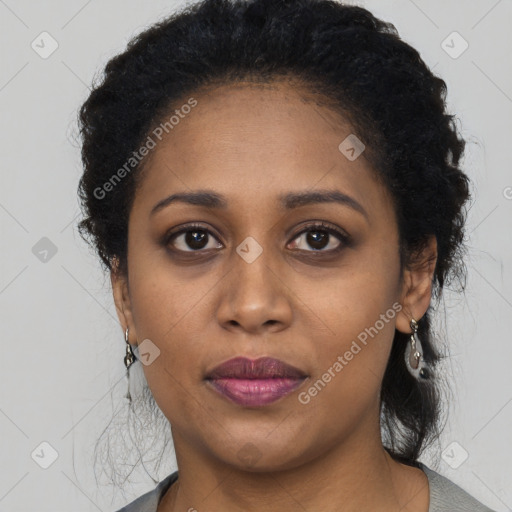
point(360, 67)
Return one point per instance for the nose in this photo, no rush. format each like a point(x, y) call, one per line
point(255, 298)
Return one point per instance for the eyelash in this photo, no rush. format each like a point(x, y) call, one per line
point(321, 226)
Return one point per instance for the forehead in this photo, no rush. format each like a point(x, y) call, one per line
point(257, 141)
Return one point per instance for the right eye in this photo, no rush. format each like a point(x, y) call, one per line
point(192, 238)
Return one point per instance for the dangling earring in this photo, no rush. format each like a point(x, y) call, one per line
point(414, 355)
point(129, 359)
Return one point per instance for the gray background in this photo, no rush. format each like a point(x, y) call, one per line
point(61, 368)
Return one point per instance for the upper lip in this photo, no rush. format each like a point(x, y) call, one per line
point(262, 368)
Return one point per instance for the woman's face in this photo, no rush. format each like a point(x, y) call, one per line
point(250, 281)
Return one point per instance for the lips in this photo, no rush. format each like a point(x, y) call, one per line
point(255, 382)
point(262, 368)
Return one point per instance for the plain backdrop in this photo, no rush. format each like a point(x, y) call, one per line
point(62, 358)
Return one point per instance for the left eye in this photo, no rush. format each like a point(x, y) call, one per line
point(320, 238)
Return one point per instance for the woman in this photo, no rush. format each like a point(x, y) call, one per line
point(274, 187)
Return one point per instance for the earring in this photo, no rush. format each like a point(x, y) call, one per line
point(129, 359)
point(414, 355)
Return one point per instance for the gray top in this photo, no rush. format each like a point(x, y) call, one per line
point(445, 496)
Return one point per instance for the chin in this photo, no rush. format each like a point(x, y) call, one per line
point(260, 455)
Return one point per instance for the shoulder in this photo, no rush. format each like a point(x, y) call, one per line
point(446, 496)
point(149, 502)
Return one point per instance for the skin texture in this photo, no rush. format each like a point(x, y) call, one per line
point(252, 143)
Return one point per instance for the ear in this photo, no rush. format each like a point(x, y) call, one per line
point(122, 300)
point(417, 286)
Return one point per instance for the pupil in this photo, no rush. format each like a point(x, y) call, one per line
point(317, 239)
point(195, 239)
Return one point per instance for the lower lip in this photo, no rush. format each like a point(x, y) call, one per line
point(255, 392)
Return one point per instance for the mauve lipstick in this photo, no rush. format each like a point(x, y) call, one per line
point(255, 383)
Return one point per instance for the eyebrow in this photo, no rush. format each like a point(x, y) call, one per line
point(289, 201)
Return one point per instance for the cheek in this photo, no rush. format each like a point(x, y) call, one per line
point(168, 314)
point(360, 348)
point(346, 379)
point(359, 308)
point(165, 297)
